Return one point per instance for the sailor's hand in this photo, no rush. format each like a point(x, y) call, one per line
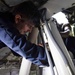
point(40, 44)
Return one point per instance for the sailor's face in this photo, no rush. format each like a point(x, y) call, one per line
point(23, 26)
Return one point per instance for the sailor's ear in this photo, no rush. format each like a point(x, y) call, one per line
point(17, 18)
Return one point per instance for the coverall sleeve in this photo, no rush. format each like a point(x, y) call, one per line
point(18, 43)
point(2, 45)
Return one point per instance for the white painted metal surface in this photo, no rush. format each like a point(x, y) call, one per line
point(63, 62)
point(47, 70)
point(25, 67)
point(57, 55)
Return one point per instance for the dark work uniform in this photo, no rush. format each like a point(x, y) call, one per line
point(10, 37)
point(70, 44)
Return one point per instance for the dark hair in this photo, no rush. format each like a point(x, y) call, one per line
point(29, 10)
